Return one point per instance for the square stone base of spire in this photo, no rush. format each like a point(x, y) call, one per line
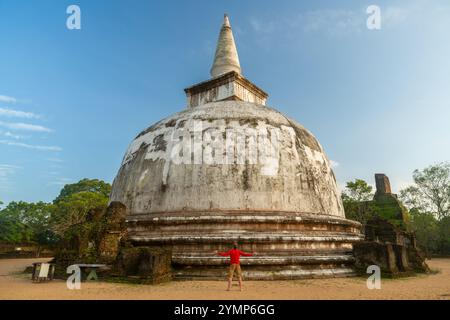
point(229, 86)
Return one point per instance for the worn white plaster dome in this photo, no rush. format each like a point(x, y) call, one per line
point(297, 179)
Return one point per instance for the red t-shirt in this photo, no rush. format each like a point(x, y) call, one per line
point(235, 254)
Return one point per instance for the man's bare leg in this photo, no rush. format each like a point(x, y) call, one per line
point(229, 284)
point(240, 283)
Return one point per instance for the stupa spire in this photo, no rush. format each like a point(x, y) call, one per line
point(226, 58)
point(227, 83)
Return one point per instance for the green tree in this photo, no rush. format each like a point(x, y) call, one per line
point(431, 191)
point(76, 200)
point(358, 190)
point(46, 223)
point(70, 219)
point(426, 228)
point(85, 185)
point(356, 199)
point(24, 222)
point(444, 236)
point(430, 196)
point(72, 209)
point(11, 230)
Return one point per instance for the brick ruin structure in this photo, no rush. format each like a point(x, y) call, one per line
point(387, 242)
point(383, 184)
point(102, 240)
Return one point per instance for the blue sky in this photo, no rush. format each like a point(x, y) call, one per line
point(72, 100)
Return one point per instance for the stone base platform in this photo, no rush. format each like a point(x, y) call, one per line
point(289, 245)
point(301, 267)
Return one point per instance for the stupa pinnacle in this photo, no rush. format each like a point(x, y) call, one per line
point(227, 82)
point(226, 58)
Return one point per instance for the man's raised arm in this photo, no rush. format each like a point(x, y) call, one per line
point(244, 254)
point(223, 254)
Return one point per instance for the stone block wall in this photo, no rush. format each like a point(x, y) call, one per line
point(390, 248)
point(145, 264)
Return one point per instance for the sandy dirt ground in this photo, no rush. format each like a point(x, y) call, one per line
point(435, 286)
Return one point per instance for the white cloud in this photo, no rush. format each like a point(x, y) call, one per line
point(18, 114)
point(339, 22)
point(334, 164)
point(340, 186)
point(400, 184)
point(264, 26)
point(24, 126)
point(6, 169)
point(61, 181)
point(29, 146)
point(333, 21)
point(330, 21)
point(394, 16)
point(7, 99)
point(423, 14)
point(14, 136)
point(9, 166)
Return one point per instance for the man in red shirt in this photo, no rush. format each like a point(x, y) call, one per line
point(235, 265)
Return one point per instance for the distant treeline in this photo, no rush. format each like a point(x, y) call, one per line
point(46, 224)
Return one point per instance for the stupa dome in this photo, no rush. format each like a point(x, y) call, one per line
point(297, 179)
point(229, 168)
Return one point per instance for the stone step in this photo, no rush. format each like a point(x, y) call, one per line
point(264, 274)
point(250, 237)
point(238, 216)
point(262, 260)
point(199, 252)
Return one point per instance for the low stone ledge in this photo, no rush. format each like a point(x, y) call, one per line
point(253, 238)
point(238, 216)
point(287, 274)
point(266, 260)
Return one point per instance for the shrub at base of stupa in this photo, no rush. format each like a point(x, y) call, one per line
point(147, 265)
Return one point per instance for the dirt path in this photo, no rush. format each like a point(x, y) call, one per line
point(436, 286)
